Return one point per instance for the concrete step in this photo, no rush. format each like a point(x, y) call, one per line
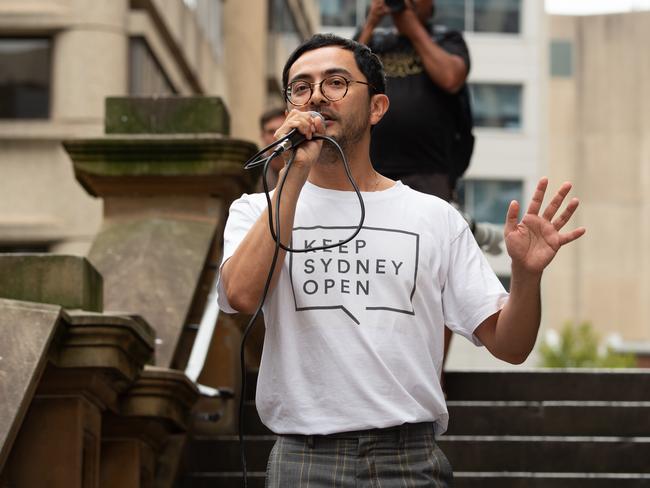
point(466, 454)
point(579, 454)
point(553, 418)
point(620, 385)
point(549, 418)
point(549, 384)
point(222, 480)
point(461, 480)
point(549, 480)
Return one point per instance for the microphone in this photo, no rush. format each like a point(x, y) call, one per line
point(294, 138)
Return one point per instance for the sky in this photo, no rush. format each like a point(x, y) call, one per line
point(586, 7)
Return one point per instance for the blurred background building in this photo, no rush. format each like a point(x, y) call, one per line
point(59, 60)
point(599, 108)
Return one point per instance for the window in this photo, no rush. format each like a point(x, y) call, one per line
point(146, 76)
point(338, 12)
point(281, 18)
point(7, 248)
point(343, 13)
point(496, 105)
point(497, 16)
point(501, 16)
point(561, 59)
point(451, 13)
point(25, 78)
point(464, 15)
point(209, 15)
point(488, 200)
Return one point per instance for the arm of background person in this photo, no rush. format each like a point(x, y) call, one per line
point(378, 10)
point(532, 244)
point(446, 70)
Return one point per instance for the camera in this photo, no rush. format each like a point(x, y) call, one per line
point(395, 5)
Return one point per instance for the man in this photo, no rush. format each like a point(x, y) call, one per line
point(349, 378)
point(270, 122)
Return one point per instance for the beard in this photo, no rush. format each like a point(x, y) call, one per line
point(351, 132)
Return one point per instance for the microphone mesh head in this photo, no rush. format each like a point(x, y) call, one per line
point(315, 114)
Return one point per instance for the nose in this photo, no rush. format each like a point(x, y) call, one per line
point(317, 97)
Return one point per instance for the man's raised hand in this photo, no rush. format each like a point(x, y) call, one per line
point(533, 243)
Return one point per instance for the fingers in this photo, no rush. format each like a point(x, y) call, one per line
point(566, 215)
point(511, 217)
point(538, 197)
point(301, 121)
point(556, 203)
point(572, 236)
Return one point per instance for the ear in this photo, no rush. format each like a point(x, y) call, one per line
point(378, 107)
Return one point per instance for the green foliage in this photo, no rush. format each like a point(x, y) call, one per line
point(578, 347)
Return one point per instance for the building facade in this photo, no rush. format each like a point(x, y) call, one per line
point(59, 60)
point(600, 139)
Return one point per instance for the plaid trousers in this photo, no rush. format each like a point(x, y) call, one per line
point(396, 457)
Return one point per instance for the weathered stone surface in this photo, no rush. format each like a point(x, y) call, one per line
point(127, 463)
point(166, 115)
point(26, 332)
point(163, 164)
point(119, 343)
point(68, 281)
point(163, 394)
point(58, 445)
point(151, 266)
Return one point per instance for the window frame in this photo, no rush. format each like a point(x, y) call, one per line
point(501, 129)
point(468, 19)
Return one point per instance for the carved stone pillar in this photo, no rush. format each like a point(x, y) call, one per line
point(167, 173)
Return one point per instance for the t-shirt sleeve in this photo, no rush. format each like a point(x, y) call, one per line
point(472, 292)
point(453, 43)
point(242, 215)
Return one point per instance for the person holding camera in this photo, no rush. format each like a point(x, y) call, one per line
point(426, 69)
point(419, 140)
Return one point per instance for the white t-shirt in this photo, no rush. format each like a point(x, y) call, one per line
point(354, 335)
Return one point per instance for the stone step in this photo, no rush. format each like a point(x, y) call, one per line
point(466, 454)
point(461, 480)
point(628, 385)
point(549, 418)
point(549, 480)
point(549, 384)
point(222, 480)
point(548, 454)
point(553, 418)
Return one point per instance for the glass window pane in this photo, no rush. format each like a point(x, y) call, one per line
point(488, 200)
point(561, 59)
point(280, 17)
point(450, 13)
point(146, 76)
point(341, 13)
point(496, 105)
point(24, 78)
point(497, 16)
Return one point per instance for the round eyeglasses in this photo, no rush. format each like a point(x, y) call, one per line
point(334, 88)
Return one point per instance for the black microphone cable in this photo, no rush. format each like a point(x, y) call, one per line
point(258, 160)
